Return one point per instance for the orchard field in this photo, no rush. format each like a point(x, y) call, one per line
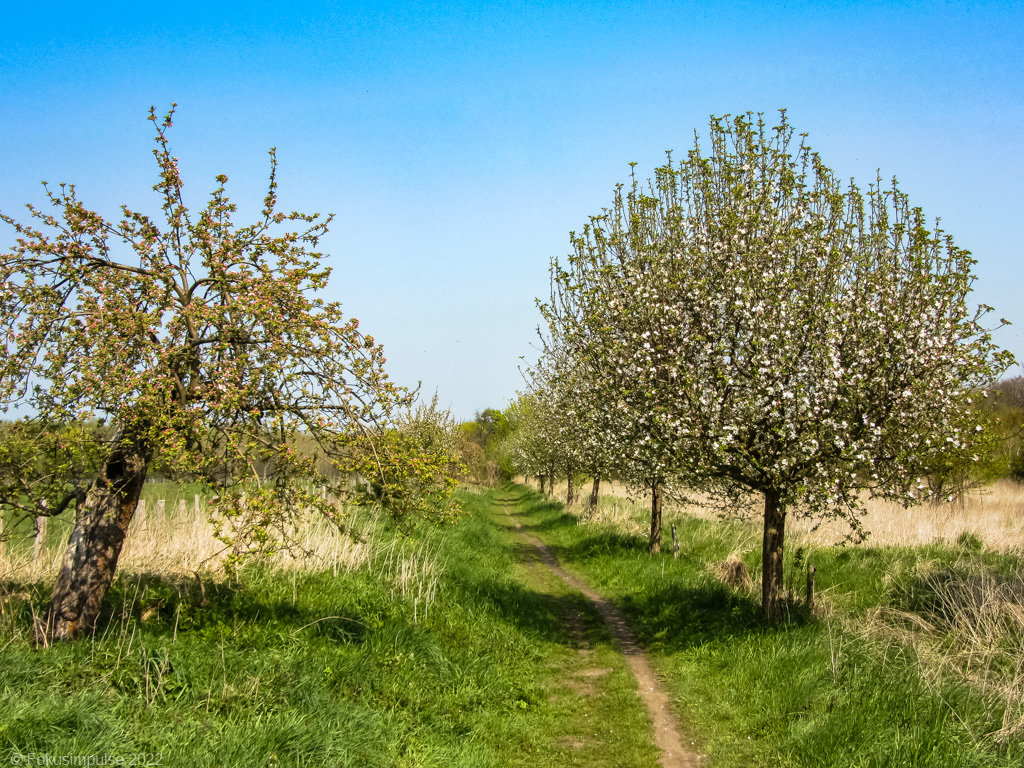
point(758, 503)
point(449, 645)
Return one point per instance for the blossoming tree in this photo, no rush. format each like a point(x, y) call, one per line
point(598, 346)
point(775, 332)
point(200, 344)
point(530, 444)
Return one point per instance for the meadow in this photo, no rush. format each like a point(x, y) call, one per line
point(426, 647)
point(913, 654)
point(443, 645)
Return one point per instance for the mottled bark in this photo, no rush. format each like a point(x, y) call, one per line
point(101, 523)
point(654, 542)
point(771, 555)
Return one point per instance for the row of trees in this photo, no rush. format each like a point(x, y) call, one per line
point(192, 343)
point(744, 323)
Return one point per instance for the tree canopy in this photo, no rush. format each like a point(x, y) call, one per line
point(751, 325)
point(203, 343)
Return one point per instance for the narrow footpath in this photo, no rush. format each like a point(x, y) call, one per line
point(665, 729)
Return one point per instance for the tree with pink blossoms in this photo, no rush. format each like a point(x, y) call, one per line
point(200, 344)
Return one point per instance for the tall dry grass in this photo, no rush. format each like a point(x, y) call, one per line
point(963, 621)
point(174, 537)
point(994, 514)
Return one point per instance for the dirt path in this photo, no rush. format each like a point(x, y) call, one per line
point(666, 732)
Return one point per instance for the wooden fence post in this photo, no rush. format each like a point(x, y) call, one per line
point(810, 588)
point(675, 542)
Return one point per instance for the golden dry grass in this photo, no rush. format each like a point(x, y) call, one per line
point(177, 538)
point(733, 571)
point(994, 514)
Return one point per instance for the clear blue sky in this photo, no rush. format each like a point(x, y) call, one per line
point(459, 143)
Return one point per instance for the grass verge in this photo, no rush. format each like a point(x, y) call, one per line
point(317, 668)
point(836, 689)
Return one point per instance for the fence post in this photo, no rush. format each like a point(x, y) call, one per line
point(810, 588)
point(140, 514)
point(675, 542)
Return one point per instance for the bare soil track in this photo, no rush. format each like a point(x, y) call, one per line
point(664, 724)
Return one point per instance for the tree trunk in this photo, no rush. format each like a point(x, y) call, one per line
point(541, 479)
point(570, 491)
point(593, 494)
point(771, 555)
point(101, 524)
point(654, 543)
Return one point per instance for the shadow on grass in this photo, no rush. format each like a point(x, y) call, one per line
point(344, 610)
point(687, 610)
point(540, 616)
point(156, 606)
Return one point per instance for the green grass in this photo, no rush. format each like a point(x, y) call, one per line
point(805, 692)
point(312, 669)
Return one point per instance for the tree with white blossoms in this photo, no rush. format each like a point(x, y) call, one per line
point(776, 332)
point(599, 325)
point(564, 428)
point(203, 345)
point(552, 432)
point(585, 430)
point(530, 445)
point(586, 434)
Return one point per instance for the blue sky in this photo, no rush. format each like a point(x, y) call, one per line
point(458, 144)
